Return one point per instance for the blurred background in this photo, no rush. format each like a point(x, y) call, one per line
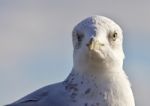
point(36, 45)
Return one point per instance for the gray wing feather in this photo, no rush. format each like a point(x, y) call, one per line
point(51, 95)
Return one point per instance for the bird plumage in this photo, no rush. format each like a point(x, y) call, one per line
point(97, 77)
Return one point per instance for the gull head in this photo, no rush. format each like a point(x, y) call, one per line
point(97, 43)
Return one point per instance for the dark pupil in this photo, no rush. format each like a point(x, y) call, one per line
point(79, 37)
point(115, 35)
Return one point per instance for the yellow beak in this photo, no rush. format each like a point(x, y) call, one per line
point(94, 44)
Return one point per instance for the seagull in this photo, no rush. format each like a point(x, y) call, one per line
point(97, 77)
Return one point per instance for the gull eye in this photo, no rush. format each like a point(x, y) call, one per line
point(79, 37)
point(114, 36)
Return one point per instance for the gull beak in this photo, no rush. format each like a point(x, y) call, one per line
point(94, 44)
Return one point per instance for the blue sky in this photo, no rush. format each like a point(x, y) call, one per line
point(36, 47)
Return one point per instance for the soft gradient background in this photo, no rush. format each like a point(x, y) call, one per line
point(36, 47)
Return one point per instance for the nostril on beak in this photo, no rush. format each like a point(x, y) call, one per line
point(94, 44)
point(101, 44)
point(90, 42)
